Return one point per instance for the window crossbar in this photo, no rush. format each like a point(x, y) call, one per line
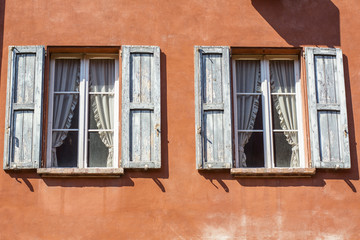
point(101, 93)
point(66, 92)
point(284, 94)
point(284, 130)
point(100, 130)
point(254, 130)
point(65, 130)
point(248, 94)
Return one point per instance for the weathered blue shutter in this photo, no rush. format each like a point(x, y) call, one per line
point(213, 108)
point(141, 117)
point(327, 108)
point(22, 148)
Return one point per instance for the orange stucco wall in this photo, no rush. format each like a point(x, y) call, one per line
point(179, 202)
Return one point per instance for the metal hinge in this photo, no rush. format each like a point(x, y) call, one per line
point(199, 130)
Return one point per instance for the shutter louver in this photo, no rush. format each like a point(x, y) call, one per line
point(22, 148)
point(327, 108)
point(213, 108)
point(141, 117)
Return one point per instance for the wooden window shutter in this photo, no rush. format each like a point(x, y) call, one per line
point(22, 148)
point(327, 108)
point(213, 108)
point(141, 115)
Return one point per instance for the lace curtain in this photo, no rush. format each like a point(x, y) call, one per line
point(283, 81)
point(247, 81)
point(66, 79)
point(102, 76)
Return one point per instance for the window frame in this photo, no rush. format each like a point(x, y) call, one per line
point(269, 158)
point(82, 160)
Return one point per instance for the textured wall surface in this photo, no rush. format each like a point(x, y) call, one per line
point(179, 202)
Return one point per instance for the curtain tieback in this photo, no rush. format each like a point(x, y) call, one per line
point(295, 148)
point(241, 149)
point(242, 156)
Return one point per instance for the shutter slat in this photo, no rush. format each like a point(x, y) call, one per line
point(24, 107)
point(327, 108)
point(141, 136)
point(213, 108)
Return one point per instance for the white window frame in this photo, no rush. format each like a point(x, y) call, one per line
point(266, 106)
point(83, 105)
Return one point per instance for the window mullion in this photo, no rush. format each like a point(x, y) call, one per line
point(265, 86)
point(82, 90)
point(86, 111)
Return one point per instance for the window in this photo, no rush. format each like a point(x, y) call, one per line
point(267, 111)
point(264, 121)
point(83, 111)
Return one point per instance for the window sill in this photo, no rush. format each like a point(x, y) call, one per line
point(81, 172)
point(273, 172)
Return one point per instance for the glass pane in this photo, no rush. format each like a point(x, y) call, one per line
point(67, 150)
point(67, 73)
point(249, 113)
point(101, 111)
point(102, 75)
point(284, 116)
point(282, 76)
point(248, 77)
point(66, 111)
point(254, 149)
point(286, 154)
point(98, 154)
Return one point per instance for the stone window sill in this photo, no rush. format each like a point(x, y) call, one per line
point(81, 172)
point(273, 172)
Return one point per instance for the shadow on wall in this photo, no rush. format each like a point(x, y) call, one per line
point(304, 22)
point(354, 171)
point(2, 18)
point(27, 176)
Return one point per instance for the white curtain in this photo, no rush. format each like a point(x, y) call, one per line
point(247, 81)
point(283, 81)
point(102, 74)
point(66, 79)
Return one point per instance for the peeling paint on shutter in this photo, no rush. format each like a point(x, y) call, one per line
point(22, 148)
point(213, 108)
point(141, 118)
point(327, 108)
